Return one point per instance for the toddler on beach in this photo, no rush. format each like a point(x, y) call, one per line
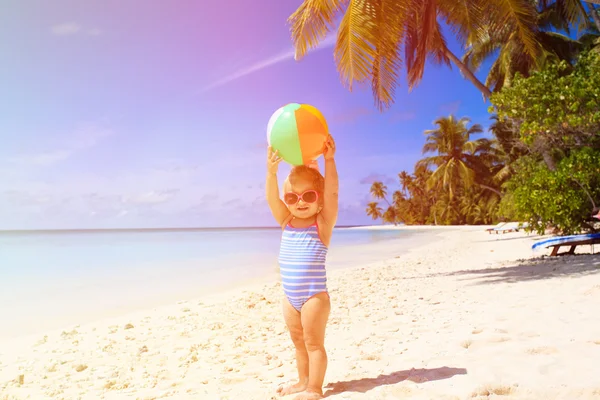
point(307, 216)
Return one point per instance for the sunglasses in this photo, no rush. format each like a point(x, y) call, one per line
point(291, 198)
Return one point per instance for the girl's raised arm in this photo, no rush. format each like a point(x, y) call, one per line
point(330, 192)
point(278, 208)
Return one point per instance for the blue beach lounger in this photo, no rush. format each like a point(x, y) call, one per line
point(573, 241)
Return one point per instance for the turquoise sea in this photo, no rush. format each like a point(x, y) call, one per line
point(49, 279)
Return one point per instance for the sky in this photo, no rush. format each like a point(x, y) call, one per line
point(137, 114)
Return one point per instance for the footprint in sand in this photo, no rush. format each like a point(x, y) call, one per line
point(591, 291)
point(542, 350)
point(529, 334)
point(493, 390)
point(499, 339)
point(399, 392)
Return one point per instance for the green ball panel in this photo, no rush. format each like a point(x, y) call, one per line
point(284, 138)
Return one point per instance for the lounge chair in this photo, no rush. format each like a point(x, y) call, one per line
point(572, 240)
point(490, 230)
point(508, 227)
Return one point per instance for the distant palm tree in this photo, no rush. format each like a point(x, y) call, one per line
point(398, 197)
point(457, 155)
point(509, 147)
point(379, 191)
point(374, 211)
point(390, 215)
point(405, 180)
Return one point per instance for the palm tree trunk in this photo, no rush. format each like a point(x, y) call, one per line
point(469, 74)
point(492, 189)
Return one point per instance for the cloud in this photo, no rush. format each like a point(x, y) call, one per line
point(287, 55)
point(373, 177)
point(151, 198)
point(94, 32)
point(65, 29)
point(238, 202)
point(84, 137)
point(450, 108)
point(26, 198)
point(73, 28)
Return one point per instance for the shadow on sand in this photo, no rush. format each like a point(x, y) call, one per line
point(416, 375)
point(535, 269)
point(495, 238)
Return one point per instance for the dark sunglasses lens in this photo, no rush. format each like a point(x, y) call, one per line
point(309, 197)
point(290, 198)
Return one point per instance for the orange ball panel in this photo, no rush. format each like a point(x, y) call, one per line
point(312, 134)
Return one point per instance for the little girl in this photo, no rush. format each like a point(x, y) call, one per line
point(307, 216)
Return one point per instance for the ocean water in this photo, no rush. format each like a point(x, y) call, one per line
point(49, 279)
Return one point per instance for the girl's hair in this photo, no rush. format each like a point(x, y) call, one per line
point(306, 172)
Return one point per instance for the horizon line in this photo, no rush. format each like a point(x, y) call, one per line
point(50, 230)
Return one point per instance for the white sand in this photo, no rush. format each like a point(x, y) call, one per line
point(458, 319)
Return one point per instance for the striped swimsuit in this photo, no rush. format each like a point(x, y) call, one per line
point(302, 264)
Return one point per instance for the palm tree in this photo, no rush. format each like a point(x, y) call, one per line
point(398, 198)
point(372, 32)
point(508, 148)
point(457, 155)
point(374, 211)
point(509, 53)
point(404, 180)
point(379, 191)
point(390, 215)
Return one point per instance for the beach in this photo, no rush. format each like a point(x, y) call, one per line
point(467, 316)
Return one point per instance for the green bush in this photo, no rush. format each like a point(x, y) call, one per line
point(562, 198)
point(560, 104)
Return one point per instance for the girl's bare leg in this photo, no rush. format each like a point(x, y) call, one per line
point(314, 316)
point(294, 324)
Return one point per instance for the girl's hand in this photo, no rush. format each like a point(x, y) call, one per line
point(273, 161)
point(329, 151)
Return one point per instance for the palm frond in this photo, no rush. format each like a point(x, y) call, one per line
point(355, 46)
point(522, 15)
point(389, 16)
point(480, 51)
point(550, 18)
point(495, 77)
point(437, 50)
point(429, 161)
point(474, 129)
point(561, 45)
point(311, 22)
point(466, 174)
point(436, 177)
point(573, 13)
point(421, 28)
point(466, 19)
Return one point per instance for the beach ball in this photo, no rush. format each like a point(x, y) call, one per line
point(298, 132)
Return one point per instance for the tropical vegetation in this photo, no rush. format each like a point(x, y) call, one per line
point(542, 164)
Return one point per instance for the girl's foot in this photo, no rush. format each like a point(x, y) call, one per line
point(309, 395)
point(291, 389)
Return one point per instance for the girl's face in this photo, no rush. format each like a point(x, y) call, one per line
point(301, 198)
